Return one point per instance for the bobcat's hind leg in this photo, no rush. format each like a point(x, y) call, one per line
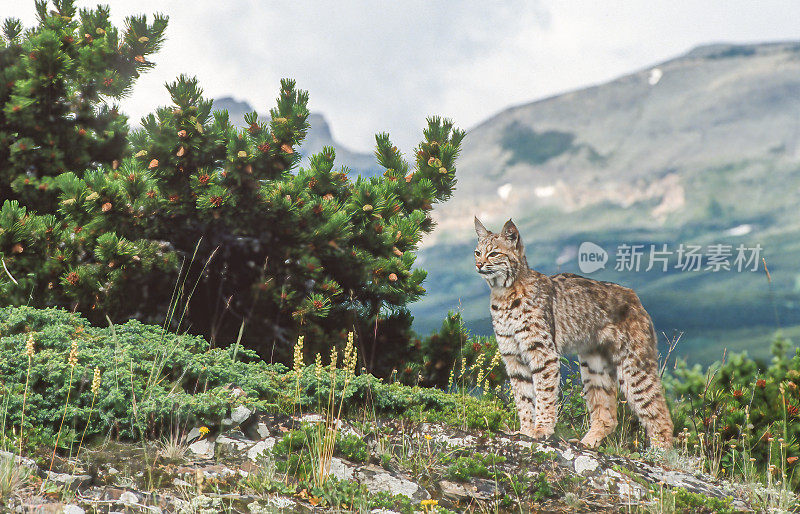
point(600, 393)
point(641, 385)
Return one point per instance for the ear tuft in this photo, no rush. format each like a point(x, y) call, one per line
point(510, 231)
point(480, 229)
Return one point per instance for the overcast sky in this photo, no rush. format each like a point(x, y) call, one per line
point(384, 66)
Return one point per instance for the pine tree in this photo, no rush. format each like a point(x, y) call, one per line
point(254, 240)
point(55, 83)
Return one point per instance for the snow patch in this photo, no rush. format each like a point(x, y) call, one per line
point(739, 230)
point(655, 76)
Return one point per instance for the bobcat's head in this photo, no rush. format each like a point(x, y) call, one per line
point(499, 258)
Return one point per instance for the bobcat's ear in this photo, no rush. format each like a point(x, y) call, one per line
point(480, 229)
point(510, 232)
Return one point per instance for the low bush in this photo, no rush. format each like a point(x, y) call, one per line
point(148, 377)
point(151, 380)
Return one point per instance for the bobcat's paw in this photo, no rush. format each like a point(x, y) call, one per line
point(541, 432)
point(592, 439)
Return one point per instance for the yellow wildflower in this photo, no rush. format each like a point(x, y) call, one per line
point(318, 365)
point(73, 354)
point(298, 355)
point(29, 348)
point(204, 431)
point(96, 381)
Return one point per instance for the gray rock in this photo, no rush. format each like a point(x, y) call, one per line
point(585, 464)
point(376, 479)
point(262, 430)
point(193, 434)
point(203, 448)
point(240, 414)
point(228, 445)
point(455, 491)
point(67, 481)
point(20, 461)
point(73, 509)
point(128, 498)
point(339, 469)
point(260, 449)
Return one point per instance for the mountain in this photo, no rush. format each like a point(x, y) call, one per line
point(702, 149)
point(319, 135)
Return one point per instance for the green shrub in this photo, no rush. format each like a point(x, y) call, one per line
point(741, 409)
point(149, 377)
point(464, 467)
point(352, 448)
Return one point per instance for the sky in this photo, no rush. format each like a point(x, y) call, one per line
point(385, 66)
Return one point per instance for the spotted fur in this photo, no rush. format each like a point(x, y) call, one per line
point(537, 318)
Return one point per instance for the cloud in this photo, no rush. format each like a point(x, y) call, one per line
point(384, 66)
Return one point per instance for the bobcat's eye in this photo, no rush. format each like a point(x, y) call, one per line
point(477, 253)
point(494, 254)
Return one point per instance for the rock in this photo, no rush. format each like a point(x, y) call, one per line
point(376, 479)
point(260, 449)
point(203, 448)
point(487, 489)
point(455, 491)
point(312, 418)
point(339, 469)
point(585, 464)
point(193, 435)
point(228, 445)
point(67, 481)
point(567, 454)
point(256, 431)
point(128, 498)
point(241, 414)
point(20, 461)
point(73, 509)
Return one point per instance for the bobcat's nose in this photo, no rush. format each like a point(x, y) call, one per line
point(479, 265)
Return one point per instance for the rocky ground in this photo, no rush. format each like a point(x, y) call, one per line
point(408, 466)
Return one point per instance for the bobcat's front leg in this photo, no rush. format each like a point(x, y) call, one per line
point(519, 375)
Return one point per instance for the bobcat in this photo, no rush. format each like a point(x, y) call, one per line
point(537, 317)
